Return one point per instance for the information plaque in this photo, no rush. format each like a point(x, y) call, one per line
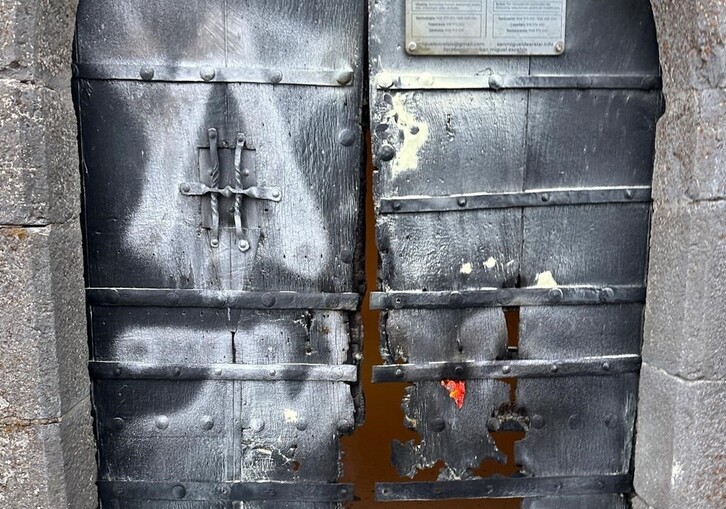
point(485, 27)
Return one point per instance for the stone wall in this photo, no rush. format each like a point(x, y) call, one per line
point(680, 458)
point(47, 456)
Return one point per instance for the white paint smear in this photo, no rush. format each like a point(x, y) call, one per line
point(466, 268)
point(545, 280)
point(407, 157)
point(490, 263)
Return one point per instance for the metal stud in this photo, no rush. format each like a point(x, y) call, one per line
point(545, 197)
point(399, 373)
point(611, 422)
point(386, 152)
point(385, 80)
point(268, 300)
point(218, 372)
point(456, 299)
point(344, 426)
point(257, 425)
point(494, 424)
point(461, 202)
point(396, 205)
point(346, 137)
point(276, 77)
point(607, 295)
point(344, 76)
point(574, 421)
point(207, 422)
point(172, 298)
point(438, 425)
point(496, 81)
point(147, 73)
point(179, 491)
point(346, 256)
point(118, 371)
point(506, 369)
point(118, 423)
point(555, 295)
point(177, 371)
point(207, 73)
point(629, 194)
point(560, 47)
point(554, 368)
point(459, 370)
point(606, 366)
point(412, 46)
point(301, 424)
point(162, 422)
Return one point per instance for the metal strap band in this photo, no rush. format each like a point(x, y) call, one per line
point(538, 198)
point(506, 297)
point(226, 491)
point(242, 372)
point(154, 297)
point(431, 371)
point(189, 74)
point(514, 487)
point(427, 81)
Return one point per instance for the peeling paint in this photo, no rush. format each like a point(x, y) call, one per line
point(490, 263)
point(466, 268)
point(416, 133)
point(545, 280)
point(290, 415)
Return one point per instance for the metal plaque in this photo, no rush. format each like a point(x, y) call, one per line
point(485, 27)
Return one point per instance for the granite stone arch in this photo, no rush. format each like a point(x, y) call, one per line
point(47, 453)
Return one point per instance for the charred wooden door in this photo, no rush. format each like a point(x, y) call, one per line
point(221, 146)
point(515, 183)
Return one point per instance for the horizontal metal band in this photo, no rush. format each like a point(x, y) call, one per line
point(207, 74)
point(159, 297)
point(226, 491)
point(513, 487)
point(423, 81)
point(538, 198)
point(523, 368)
point(243, 372)
point(499, 297)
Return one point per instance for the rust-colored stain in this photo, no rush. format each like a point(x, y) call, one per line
point(457, 391)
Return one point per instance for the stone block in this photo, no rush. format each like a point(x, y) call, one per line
point(690, 147)
point(691, 40)
point(38, 155)
point(684, 330)
point(36, 40)
point(679, 457)
point(43, 365)
point(49, 465)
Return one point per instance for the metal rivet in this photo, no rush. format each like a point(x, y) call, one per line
point(554, 368)
point(584, 82)
point(218, 372)
point(412, 46)
point(276, 77)
point(342, 492)
point(555, 295)
point(207, 422)
point(606, 366)
point(344, 426)
point(456, 299)
point(438, 425)
point(118, 371)
point(494, 424)
point(611, 421)
point(459, 370)
point(275, 193)
point(162, 422)
point(399, 373)
point(601, 485)
point(385, 80)
point(246, 173)
point(537, 421)
point(208, 73)
point(243, 245)
point(344, 76)
point(396, 205)
point(489, 489)
point(74, 70)
point(505, 296)
point(172, 298)
point(496, 81)
point(273, 373)
point(214, 243)
point(118, 423)
point(301, 424)
point(177, 371)
point(346, 137)
point(607, 295)
point(545, 197)
point(560, 47)
point(230, 210)
point(386, 152)
point(574, 421)
point(268, 300)
point(461, 202)
point(147, 73)
point(346, 256)
point(179, 491)
point(257, 425)
point(629, 194)
point(506, 369)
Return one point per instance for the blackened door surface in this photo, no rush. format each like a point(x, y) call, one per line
point(515, 186)
point(221, 145)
